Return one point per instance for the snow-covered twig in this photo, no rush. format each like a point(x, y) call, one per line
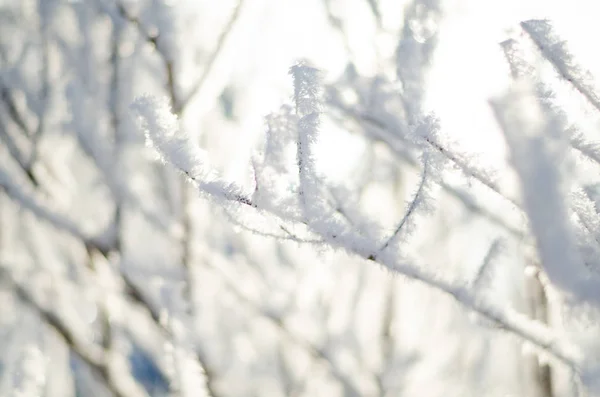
point(556, 52)
point(407, 222)
point(175, 147)
point(396, 139)
point(537, 154)
point(522, 69)
point(486, 264)
point(307, 98)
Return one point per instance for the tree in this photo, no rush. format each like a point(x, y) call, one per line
point(160, 237)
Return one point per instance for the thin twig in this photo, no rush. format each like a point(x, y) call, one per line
point(409, 211)
point(556, 52)
point(225, 33)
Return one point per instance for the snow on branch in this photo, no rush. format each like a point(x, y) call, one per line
point(521, 68)
point(537, 334)
point(483, 274)
point(419, 203)
point(307, 97)
point(175, 146)
point(557, 53)
point(307, 88)
point(537, 153)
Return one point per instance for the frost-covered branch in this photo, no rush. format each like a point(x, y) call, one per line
point(414, 53)
point(419, 201)
point(484, 270)
point(397, 139)
point(161, 128)
point(307, 98)
point(175, 147)
point(556, 52)
point(537, 154)
point(522, 69)
point(160, 284)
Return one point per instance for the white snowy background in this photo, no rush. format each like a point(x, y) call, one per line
point(118, 277)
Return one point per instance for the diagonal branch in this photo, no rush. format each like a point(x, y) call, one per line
point(556, 52)
point(339, 236)
point(92, 356)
